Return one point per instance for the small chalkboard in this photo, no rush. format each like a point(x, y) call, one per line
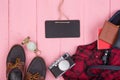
point(62, 28)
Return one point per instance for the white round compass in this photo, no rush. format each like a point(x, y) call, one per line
point(64, 65)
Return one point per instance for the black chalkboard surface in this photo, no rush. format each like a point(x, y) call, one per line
point(62, 28)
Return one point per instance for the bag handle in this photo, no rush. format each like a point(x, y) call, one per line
point(103, 67)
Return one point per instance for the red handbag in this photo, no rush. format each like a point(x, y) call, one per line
point(94, 64)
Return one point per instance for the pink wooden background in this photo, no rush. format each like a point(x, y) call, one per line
point(18, 19)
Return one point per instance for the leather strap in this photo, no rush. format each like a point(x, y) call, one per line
point(103, 67)
point(117, 42)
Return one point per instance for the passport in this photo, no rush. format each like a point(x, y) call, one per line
point(102, 44)
point(109, 32)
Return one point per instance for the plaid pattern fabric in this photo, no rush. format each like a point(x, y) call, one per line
point(88, 55)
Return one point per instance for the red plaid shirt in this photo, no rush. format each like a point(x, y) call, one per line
point(89, 55)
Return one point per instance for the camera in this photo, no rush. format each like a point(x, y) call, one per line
point(61, 65)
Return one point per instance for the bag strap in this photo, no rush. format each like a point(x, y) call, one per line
point(103, 67)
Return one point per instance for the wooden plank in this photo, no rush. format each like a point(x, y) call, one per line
point(115, 6)
point(75, 11)
point(22, 23)
point(50, 48)
point(3, 37)
point(95, 13)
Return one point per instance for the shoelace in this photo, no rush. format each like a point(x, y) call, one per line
point(17, 64)
point(35, 76)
